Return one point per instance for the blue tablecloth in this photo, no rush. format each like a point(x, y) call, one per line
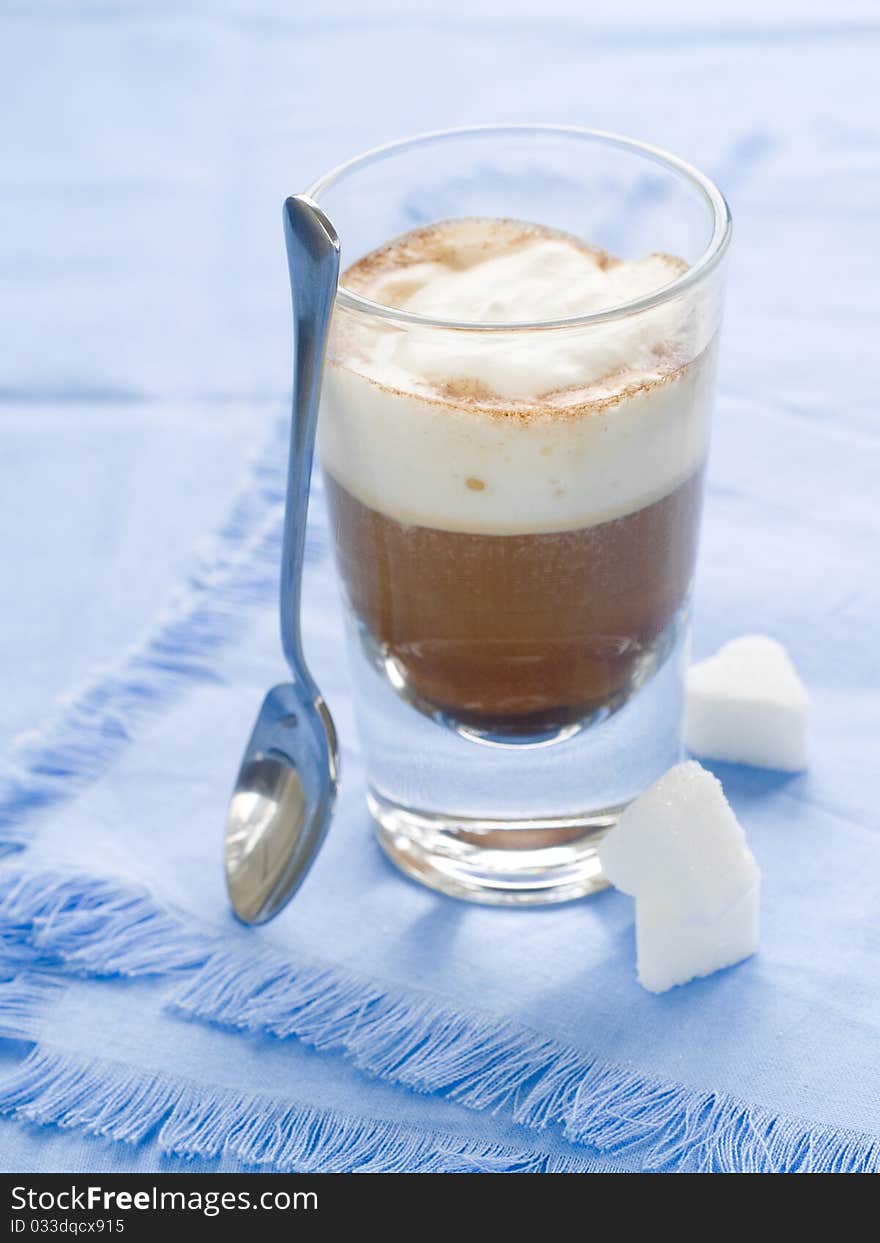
point(145, 350)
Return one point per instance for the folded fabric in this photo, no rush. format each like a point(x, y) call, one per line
point(534, 1015)
point(376, 1025)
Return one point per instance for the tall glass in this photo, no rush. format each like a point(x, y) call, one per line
point(516, 570)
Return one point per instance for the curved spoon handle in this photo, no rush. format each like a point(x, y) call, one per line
point(313, 260)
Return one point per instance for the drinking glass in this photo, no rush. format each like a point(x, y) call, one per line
point(516, 570)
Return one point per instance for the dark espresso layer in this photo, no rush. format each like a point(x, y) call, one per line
point(518, 633)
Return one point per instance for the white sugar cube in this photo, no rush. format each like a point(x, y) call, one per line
point(675, 951)
point(747, 705)
point(680, 850)
point(681, 844)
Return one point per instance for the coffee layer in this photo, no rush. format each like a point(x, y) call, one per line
point(518, 634)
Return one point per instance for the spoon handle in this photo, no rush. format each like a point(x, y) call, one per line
point(313, 260)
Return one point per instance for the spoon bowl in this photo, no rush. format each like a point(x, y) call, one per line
point(282, 803)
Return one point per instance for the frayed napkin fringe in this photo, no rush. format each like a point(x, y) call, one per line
point(673, 1127)
point(486, 1064)
point(88, 729)
point(129, 1105)
point(93, 926)
point(410, 1040)
point(24, 1002)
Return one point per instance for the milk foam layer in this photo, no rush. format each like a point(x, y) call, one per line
point(503, 433)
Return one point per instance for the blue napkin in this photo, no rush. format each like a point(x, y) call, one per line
point(376, 1025)
point(533, 1017)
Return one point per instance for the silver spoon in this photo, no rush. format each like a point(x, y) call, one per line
point(286, 789)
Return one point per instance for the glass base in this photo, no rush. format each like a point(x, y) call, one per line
point(531, 862)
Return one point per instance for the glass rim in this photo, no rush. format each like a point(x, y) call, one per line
point(710, 258)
